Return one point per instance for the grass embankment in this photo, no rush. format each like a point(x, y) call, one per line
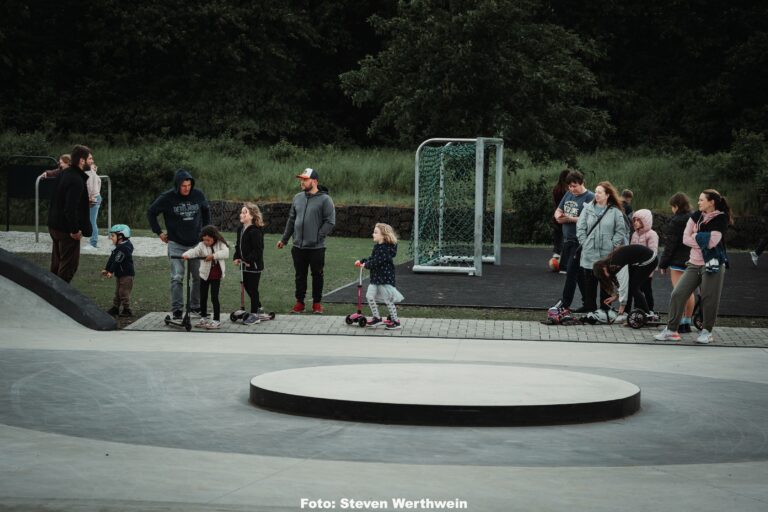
point(386, 176)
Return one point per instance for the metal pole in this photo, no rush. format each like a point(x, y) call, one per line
point(499, 204)
point(479, 156)
point(37, 209)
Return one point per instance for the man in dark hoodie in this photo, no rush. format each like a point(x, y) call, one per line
point(68, 216)
point(310, 220)
point(185, 210)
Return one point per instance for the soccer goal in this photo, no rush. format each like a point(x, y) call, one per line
point(458, 205)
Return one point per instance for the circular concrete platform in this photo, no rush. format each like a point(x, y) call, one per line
point(445, 394)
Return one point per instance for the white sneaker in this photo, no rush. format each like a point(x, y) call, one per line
point(213, 324)
point(203, 323)
point(754, 257)
point(705, 337)
point(89, 247)
point(667, 335)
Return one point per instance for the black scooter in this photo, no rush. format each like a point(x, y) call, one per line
point(241, 314)
point(186, 321)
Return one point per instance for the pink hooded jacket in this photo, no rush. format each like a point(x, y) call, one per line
point(645, 235)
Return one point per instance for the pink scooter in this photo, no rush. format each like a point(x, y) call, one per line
point(359, 317)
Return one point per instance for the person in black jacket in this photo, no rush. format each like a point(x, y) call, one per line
point(676, 253)
point(68, 216)
point(120, 265)
point(185, 211)
point(249, 252)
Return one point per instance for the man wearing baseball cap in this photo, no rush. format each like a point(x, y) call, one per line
point(310, 220)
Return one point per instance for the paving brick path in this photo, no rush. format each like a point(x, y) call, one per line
point(468, 329)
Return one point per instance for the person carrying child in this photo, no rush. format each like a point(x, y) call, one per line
point(120, 265)
point(212, 249)
point(382, 286)
point(643, 234)
point(249, 252)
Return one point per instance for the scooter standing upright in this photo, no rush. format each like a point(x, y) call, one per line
point(186, 321)
point(241, 314)
point(359, 317)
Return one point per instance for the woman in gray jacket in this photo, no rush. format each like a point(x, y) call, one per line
point(600, 229)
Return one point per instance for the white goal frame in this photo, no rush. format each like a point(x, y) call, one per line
point(442, 264)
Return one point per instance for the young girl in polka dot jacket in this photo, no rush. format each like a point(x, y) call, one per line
point(382, 266)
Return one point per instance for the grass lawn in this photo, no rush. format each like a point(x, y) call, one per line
point(151, 290)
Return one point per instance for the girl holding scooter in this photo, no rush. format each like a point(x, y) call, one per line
point(213, 250)
point(249, 252)
point(382, 267)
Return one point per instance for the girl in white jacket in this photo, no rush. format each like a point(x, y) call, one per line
point(212, 250)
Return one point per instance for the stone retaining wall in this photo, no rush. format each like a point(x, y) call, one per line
point(357, 221)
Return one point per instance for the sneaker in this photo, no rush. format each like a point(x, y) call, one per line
point(317, 308)
point(298, 308)
point(89, 247)
point(684, 328)
point(114, 311)
point(126, 312)
point(705, 337)
point(653, 317)
point(562, 272)
point(667, 335)
point(203, 323)
point(251, 318)
point(176, 314)
point(555, 255)
point(754, 257)
point(391, 325)
point(194, 313)
point(213, 324)
point(374, 322)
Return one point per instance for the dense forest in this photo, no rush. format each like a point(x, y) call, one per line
point(553, 77)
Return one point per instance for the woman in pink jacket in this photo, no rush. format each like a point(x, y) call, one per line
point(642, 223)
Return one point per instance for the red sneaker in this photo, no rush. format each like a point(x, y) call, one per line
point(317, 308)
point(298, 308)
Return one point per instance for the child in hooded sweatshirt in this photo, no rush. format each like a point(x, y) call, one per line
point(642, 223)
point(382, 266)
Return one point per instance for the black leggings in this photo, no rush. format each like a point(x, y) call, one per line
point(640, 286)
point(251, 284)
point(214, 286)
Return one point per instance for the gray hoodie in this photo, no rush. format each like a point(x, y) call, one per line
point(310, 220)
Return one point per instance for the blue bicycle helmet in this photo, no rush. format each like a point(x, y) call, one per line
point(121, 229)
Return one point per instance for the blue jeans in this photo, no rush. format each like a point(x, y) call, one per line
point(94, 213)
point(177, 278)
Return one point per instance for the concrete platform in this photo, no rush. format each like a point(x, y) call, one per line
point(134, 421)
point(446, 394)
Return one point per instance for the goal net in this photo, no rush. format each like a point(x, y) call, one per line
point(458, 205)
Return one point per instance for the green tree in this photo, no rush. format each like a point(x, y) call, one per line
point(492, 67)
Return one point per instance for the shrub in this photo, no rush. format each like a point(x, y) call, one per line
point(284, 150)
point(749, 156)
point(533, 210)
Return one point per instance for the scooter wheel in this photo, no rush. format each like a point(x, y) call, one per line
point(168, 320)
point(348, 319)
point(362, 322)
point(233, 317)
point(272, 315)
point(636, 319)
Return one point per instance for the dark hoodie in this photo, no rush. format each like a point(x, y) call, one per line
point(184, 216)
point(381, 264)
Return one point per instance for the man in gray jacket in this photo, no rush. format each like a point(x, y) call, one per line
point(310, 220)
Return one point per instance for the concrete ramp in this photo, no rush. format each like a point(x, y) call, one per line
point(31, 295)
